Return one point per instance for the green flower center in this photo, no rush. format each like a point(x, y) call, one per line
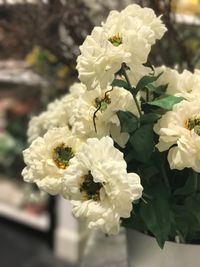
point(61, 155)
point(89, 188)
point(193, 123)
point(116, 40)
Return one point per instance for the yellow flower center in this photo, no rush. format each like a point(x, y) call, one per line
point(61, 156)
point(90, 189)
point(116, 40)
point(193, 123)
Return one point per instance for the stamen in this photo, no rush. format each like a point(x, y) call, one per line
point(116, 40)
point(193, 123)
point(90, 189)
point(61, 155)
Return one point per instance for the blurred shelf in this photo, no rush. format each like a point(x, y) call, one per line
point(39, 222)
point(187, 19)
point(19, 72)
point(15, 2)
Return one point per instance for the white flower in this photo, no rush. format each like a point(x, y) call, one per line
point(179, 131)
point(99, 186)
point(127, 37)
point(99, 59)
point(185, 84)
point(189, 85)
point(169, 76)
point(106, 120)
point(152, 27)
point(57, 114)
point(48, 157)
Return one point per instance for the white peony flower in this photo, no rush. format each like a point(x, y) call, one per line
point(185, 84)
point(134, 15)
point(57, 114)
point(189, 85)
point(179, 131)
point(106, 120)
point(127, 37)
point(99, 186)
point(48, 157)
point(99, 59)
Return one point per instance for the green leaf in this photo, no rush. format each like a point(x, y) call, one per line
point(142, 142)
point(145, 80)
point(148, 171)
point(135, 221)
point(151, 87)
point(129, 122)
point(166, 102)
point(193, 206)
point(156, 213)
point(149, 118)
point(161, 89)
point(182, 221)
point(189, 186)
point(120, 83)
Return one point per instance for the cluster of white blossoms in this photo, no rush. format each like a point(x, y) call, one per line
point(68, 157)
point(75, 144)
point(57, 114)
point(179, 129)
point(126, 36)
point(185, 84)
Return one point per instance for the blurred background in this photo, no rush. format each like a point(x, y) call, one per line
point(39, 44)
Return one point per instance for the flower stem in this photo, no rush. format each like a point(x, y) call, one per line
point(130, 87)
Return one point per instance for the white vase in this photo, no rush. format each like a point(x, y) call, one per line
point(143, 251)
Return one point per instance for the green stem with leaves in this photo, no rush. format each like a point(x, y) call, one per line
point(131, 90)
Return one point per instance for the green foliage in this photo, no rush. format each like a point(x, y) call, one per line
point(146, 80)
point(120, 83)
point(186, 217)
point(142, 142)
point(161, 89)
point(157, 90)
point(156, 213)
point(166, 102)
point(149, 118)
point(129, 122)
point(135, 221)
point(193, 206)
point(192, 184)
point(171, 198)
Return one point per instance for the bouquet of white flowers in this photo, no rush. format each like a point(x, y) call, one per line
point(124, 144)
